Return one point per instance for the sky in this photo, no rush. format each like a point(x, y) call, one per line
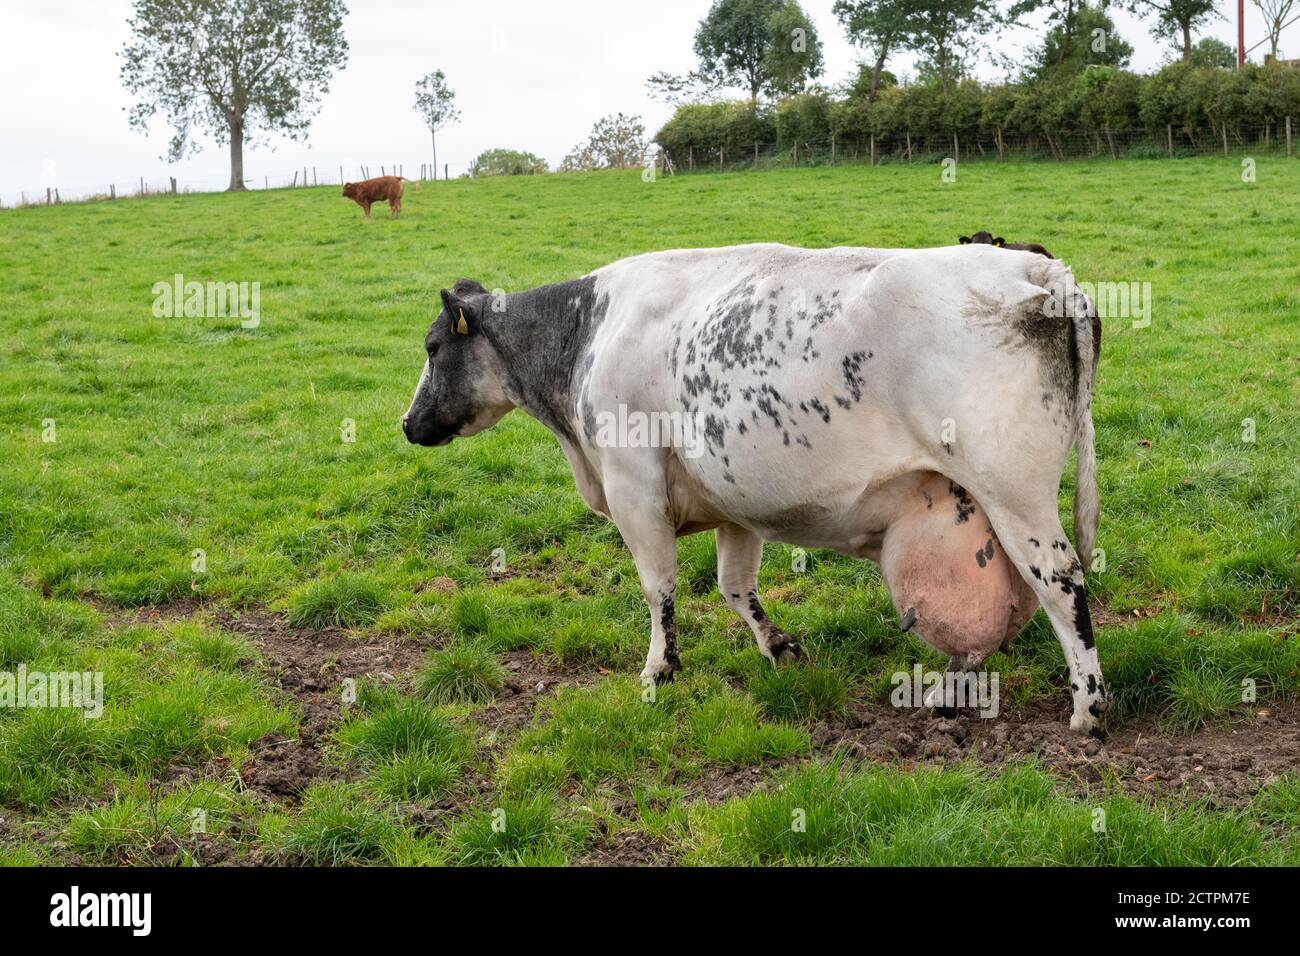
point(527, 75)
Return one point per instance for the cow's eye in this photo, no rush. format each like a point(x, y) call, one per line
point(433, 350)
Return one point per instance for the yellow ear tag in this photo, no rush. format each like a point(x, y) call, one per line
point(462, 327)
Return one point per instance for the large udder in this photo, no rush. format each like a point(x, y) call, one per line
point(946, 570)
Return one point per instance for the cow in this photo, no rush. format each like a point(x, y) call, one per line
point(987, 238)
point(379, 189)
point(838, 398)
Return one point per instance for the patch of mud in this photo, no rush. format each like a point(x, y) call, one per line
point(1226, 763)
point(624, 848)
point(532, 676)
point(310, 666)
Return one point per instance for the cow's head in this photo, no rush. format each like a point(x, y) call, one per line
point(349, 190)
point(459, 392)
point(982, 237)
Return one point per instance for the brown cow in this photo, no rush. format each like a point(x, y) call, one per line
point(380, 188)
point(988, 239)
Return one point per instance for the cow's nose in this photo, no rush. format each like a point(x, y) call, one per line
point(405, 432)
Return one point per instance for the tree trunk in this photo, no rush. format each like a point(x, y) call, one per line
point(1187, 41)
point(236, 155)
point(433, 137)
point(875, 76)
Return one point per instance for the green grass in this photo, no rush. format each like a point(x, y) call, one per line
point(825, 815)
point(461, 674)
point(181, 435)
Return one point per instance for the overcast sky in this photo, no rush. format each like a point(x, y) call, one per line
point(527, 74)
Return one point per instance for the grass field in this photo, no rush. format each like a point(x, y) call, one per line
point(327, 651)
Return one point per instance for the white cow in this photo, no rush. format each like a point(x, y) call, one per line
point(816, 398)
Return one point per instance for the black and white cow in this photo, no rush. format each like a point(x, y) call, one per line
point(828, 390)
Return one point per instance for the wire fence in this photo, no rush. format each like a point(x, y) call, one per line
point(53, 193)
point(995, 146)
point(1274, 139)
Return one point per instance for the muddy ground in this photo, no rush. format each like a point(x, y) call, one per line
point(1225, 764)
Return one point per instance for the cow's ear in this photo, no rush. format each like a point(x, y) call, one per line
point(964, 240)
point(999, 241)
point(460, 313)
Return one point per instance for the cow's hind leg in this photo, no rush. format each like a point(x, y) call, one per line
point(1036, 544)
point(644, 525)
point(740, 552)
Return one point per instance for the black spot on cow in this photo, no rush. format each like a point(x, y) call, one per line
point(965, 507)
point(985, 554)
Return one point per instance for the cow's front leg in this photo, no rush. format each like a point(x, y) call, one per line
point(740, 552)
point(652, 539)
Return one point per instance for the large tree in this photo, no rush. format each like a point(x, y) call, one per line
point(435, 102)
point(1178, 19)
point(233, 68)
point(878, 27)
point(763, 46)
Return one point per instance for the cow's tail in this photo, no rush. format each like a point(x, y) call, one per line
point(1087, 499)
point(416, 181)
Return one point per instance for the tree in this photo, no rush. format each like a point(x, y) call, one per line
point(1177, 19)
point(879, 27)
point(944, 30)
point(506, 162)
point(232, 68)
point(1079, 35)
point(751, 44)
point(434, 101)
point(1214, 53)
point(1275, 13)
point(793, 58)
point(615, 142)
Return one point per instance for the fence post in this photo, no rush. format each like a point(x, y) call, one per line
point(112, 191)
point(832, 149)
point(313, 177)
point(909, 144)
point(721, 155)
point(1288, 137)
point(141, 185)
point(49, 196)
point(756, 143)
point(341, 176)
point(690, 158)
point(266, 182)
point(444, 173)
point(173, 179)
point(295, 178)
point(58, 200)
point(999, 144)
point(1169, 135)
point(796, 152)
point(1225, 138)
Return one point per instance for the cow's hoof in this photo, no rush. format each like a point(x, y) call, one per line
point(1089, 724)
point(661, 673)
point(785, 650)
